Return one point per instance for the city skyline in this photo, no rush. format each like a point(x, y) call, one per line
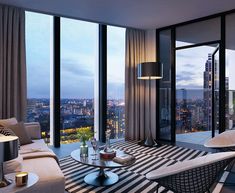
point(76, 114)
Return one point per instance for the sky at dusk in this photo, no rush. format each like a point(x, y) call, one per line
point(190, 66)
point(79, 58)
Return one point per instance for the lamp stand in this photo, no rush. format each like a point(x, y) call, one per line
point(3, 181)
point(149, 141)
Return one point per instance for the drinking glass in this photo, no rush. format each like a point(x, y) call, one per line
point(95, 146)
point(92, 144)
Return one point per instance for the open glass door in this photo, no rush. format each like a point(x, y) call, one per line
point(197, 93)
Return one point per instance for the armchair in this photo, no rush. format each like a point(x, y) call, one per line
point(192, 176)
point(225, 140)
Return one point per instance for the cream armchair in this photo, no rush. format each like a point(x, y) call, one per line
point(192, 176)
point(223, 140)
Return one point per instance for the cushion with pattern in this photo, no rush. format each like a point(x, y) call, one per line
point(8, 132)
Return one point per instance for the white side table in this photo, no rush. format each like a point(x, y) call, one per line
point(12, 188)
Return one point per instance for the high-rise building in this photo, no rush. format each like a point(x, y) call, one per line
point(185, 116)
point(207, 95)
point(208, 81)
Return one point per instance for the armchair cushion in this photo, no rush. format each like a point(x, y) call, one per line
point(188, 165)
point(223, 140)
point(33, 129)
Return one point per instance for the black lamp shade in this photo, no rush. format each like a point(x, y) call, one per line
point(149, 70)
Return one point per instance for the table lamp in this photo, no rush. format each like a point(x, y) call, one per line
point(149, 71)
point(8, 151)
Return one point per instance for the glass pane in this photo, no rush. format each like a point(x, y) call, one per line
point(194, 94)
point(38, 38)
point(230, 72)
point(165, 85)
point(116, 81)
point(78, 62)
point(198, 32)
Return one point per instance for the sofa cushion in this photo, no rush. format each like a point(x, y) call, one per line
point(51, 178)
point(8, 132)
point(13, 166)
point(33, 129)
point(19, 130)
point(7, 122)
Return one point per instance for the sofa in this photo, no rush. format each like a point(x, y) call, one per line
point(36, 157)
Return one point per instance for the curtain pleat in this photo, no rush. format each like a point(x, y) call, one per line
point(137, 91)
point(135, 99)
point(13, 86)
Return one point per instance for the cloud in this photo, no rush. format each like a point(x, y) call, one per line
point(79, 57)
point(189, 65)
point(185, 75)
point(74, 68)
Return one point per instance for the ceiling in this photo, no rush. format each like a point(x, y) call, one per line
point(143, 14)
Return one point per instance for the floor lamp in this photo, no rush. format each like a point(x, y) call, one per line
point(149, 71)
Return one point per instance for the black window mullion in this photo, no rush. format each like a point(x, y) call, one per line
point(102, 81)
point(56, 81)
point(173, 85)
point(158, 88)
point(222, 89)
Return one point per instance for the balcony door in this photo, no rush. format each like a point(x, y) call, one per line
point(197, 93)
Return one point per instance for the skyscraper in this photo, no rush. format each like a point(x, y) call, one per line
point(208, 93)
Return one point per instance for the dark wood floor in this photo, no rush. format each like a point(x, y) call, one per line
point(66, 149)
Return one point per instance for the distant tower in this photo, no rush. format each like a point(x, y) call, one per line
point(185, 114)
point(208, 93)
point(229, 105)
point(184, 97)
point(84, 103)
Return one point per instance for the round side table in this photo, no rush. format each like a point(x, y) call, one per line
point(12, 188)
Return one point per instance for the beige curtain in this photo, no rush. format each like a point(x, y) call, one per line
point(137, 91)
point(12, 63)
point(134, 89)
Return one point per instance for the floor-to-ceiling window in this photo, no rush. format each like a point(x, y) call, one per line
point(230, 72)
point(193, 58)
point(79, 52)
point(165, 86)
point(38, 52)
point(79, 76)
point(115, 81)
point(197, 78)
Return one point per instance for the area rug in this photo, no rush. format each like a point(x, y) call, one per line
point(131, 179)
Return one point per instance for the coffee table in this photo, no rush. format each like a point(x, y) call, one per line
point(102, 177)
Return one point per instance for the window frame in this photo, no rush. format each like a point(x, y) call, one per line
point(222, 74)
